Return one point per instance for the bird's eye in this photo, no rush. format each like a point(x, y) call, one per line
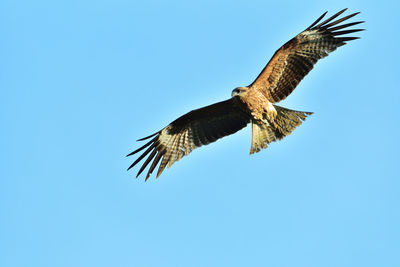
point(236, 91)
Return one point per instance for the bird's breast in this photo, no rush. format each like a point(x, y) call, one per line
point(256, 103)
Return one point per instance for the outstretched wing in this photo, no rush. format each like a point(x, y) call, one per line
point(194, 129)
point(294, 60)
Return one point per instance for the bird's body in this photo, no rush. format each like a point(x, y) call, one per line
point(254, 103)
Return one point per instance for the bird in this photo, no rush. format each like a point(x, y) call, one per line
point(255, 103)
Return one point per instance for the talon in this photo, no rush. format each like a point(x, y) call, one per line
point(271, 112)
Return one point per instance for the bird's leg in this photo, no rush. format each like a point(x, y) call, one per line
point(270, 111)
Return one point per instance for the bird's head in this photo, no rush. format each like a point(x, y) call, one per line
point(239, 91)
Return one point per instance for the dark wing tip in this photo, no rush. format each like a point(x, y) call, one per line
point(345, 25)
point(329, 19)
point(152, 145)
point(147, 137)
point(130, 167)
point(318, 20)
point(327, 23)
point(149, 158)
point(145, 145)
point(154, 153)
point(345, 39)
point(346, 32)
point(335, 29)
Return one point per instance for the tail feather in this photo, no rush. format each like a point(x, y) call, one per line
point(285, 122)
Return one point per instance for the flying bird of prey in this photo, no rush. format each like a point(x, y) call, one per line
point(254, 103)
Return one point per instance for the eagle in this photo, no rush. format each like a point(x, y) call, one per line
point(255, 103)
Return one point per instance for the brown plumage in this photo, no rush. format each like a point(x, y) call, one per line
point(255, 103)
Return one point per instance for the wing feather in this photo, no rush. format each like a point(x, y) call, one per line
point(295, 59)
point(194, 129)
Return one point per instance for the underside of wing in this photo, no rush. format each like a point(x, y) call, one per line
point(194, 129)
point(294, 60)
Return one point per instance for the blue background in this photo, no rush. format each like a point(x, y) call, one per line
point(82, 80)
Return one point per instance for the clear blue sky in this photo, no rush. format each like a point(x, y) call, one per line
point(82, 80)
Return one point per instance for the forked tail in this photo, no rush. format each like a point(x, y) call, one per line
point(285, 122)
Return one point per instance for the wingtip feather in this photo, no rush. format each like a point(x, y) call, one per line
point(326, 26)
point(147, 137)
point(322, 24)
point(144, 146)
point(150, 157)
point(317, 20)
